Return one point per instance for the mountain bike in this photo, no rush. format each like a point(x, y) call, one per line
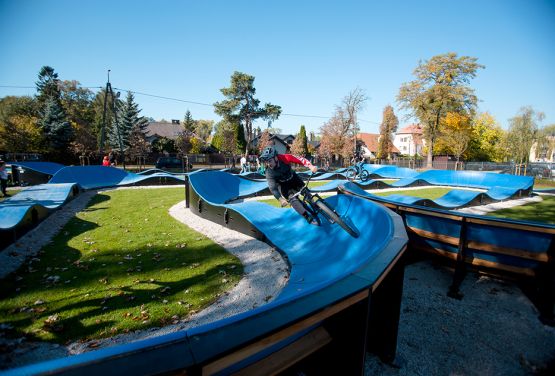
point(357, 171)
point(315, 205)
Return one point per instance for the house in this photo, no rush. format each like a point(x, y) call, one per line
point(157, 130)
point(409, 140)
point(282, 142)
point(369, 145)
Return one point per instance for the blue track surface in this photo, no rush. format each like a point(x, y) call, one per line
point(219, 187)
point(91, 177)
point(47, 168)
point(41, 198)
point(314, 260)
point(451, 200)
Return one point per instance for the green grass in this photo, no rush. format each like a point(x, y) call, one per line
point(11, 192)
point(120, 265)
point(430, 193)
point(544, 183)
point(543, 211)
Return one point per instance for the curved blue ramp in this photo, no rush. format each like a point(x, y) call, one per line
point(91, 177)
point(47, 168)
point(41, 198)
point(217, 187)
point(315, 259)
point(451, 200)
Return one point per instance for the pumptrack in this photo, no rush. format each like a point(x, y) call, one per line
point(342, 298)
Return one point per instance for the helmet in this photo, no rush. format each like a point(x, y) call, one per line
point(268, 153)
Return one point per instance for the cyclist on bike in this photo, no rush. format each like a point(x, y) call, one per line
point(283, 182)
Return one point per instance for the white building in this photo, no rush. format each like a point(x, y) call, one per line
point(409, 140)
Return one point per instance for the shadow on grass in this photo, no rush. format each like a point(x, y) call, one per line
point(142, 288)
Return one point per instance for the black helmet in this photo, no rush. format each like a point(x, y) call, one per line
point(268, 153)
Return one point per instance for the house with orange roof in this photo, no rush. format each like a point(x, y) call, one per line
point(409, 140)
point(369, 143)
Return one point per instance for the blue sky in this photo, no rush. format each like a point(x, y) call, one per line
point(305, 55)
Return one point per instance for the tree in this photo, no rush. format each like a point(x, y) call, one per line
point(456, 134)
point(264, 140)
point(225, 139)
point(523, 131)
point(19, 131)
point(164, 144)
point(545, 146)
point(183, 142)
point(242, 107)
point(48, 86)
point(138, 145)
point(188, 122)
point(388, 127)
point(352, 104)
point(300, 145)
point(485, 140)
point(203, 129)
point(441, 86)
point(129, 119)
point(77, 103)
point(56, 129)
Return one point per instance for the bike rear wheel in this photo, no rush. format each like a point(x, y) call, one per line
point(334, 217)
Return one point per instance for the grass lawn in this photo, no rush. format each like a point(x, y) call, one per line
point(11, 192)
point(543, 211)
point(120, 265)
point(544, 183)
point(429, 193)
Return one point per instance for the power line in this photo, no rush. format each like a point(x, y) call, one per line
point(183, 101)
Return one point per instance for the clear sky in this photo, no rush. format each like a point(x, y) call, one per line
point(306, 56)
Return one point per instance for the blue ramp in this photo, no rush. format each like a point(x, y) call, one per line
point(217, 187)
point(47, 168)
point(40, 198)
point(91, 177)
point(319, 255)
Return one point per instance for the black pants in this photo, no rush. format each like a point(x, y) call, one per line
point(3, 185)
point(290, 188)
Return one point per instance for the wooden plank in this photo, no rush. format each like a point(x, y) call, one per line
point(479, 262)
point(515, 226)
point(279, 336)
point(430, 213)
point(289, 355)
point(508, 251)
point(432, 235)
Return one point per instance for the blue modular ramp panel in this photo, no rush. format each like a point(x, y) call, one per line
point(41, 198)
point(47, 168)
point(92, 177)
point(314, 258)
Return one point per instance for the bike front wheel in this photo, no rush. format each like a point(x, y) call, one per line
point(334, 217)
point(364, 175)
point(351, 173)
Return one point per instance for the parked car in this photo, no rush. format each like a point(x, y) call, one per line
point(170, 162)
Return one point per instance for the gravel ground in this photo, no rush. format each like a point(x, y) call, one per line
point(493, 330)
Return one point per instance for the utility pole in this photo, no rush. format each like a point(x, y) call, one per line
point(109, 92)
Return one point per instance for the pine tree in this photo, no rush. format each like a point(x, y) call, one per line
point(188, 122)
point(56, 129)
point(48, 86)
point(128, 117)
